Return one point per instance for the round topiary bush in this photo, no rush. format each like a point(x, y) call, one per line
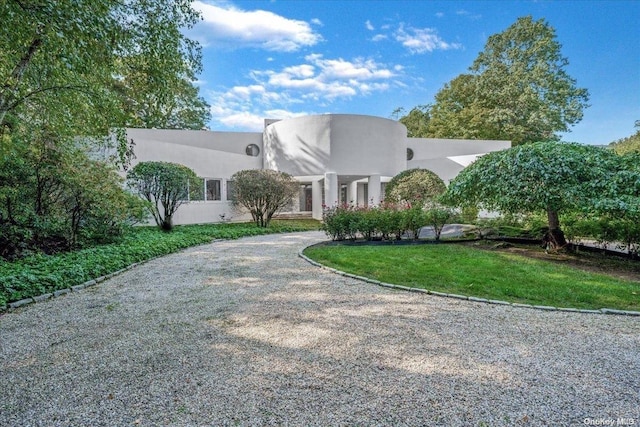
point(414, 186)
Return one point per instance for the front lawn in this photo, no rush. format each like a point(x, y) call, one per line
point(464, 270)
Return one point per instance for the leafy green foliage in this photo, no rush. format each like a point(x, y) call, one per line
point(593, 184)
point(54, 197)
point(517, 89)
point(414, 187)
point(263, 192)
point(417, 121)
point(72, 74)
point(89, 66)
point(39, 274)
point(630, 144)
point(543, 177)
point(385, 222)
point(165, 186)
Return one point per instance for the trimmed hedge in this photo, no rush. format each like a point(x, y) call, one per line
point(385, 222)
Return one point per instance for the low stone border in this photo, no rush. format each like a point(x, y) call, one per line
point(40, 298)
point(464, 297)
point(60, 292)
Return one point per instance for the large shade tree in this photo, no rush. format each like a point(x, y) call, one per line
point(517, 89)
point(543, 177)
point(86, 68)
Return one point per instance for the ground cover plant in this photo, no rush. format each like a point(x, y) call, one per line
point(466, 270)
point(40, 274)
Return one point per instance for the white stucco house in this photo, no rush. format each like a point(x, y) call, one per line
point(337, 158)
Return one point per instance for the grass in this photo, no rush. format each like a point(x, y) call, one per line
point(40, 274)
point(459, 269)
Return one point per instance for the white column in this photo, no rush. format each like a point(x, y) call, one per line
point(331, 195)
point(352, 193)
point(316, 200)
point(374, 189)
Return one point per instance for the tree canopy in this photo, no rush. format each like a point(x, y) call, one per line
point(517, 89)
point(417, 121)
point(165, 186)
point(545, 177)
point(263, 192)
point(73, 74)
point(81, 68)
point(414, 187)
point(630, 144)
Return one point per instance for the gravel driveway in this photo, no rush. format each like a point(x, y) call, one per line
point(246, 333)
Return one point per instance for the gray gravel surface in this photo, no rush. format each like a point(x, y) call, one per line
point(246, 333)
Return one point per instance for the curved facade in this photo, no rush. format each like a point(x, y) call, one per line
point(336, 158)
point(345, 144)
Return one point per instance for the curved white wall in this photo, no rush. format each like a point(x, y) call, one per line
point(346, 144)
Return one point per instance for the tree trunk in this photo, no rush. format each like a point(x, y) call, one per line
point(555, 236)
point(167, 223)
point(16, 76)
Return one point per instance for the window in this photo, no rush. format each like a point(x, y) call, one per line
point(252, 150)
point(193, 190)
point(213, 189)
point(196, 190)
point(230, 190)
point(365, 194)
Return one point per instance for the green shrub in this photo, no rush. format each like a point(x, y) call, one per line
point(390, 222)
point(414, 219)
point(437, 217)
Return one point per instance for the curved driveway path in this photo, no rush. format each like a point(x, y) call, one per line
point(246, 333)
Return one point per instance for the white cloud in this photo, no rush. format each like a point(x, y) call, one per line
point(236, 27)
point(242, 120)
point(379, 37)
point(470, 15)
point(254, 120)
point(318, 79)
point(369, 25)
point(439, 14)
point(360, 68)
point(316, 21)
point(421, 40)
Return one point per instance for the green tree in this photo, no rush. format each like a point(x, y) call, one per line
point(414, 187)
point(417, 121)
point(86, 69)
point(263, 193)
point(630, 144)
point(53, 197)
point(542, 177)
point(89, 66)
point(456, 114)
point(517, 89)
point(165, 186)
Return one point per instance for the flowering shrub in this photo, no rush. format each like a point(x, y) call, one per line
point(388, 221)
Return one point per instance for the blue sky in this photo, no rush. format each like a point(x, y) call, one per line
point(285, 58)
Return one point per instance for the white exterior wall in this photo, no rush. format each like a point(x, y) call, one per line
point(216, 155)
point(447, 157)
point(345, 144)
point(326, 151)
